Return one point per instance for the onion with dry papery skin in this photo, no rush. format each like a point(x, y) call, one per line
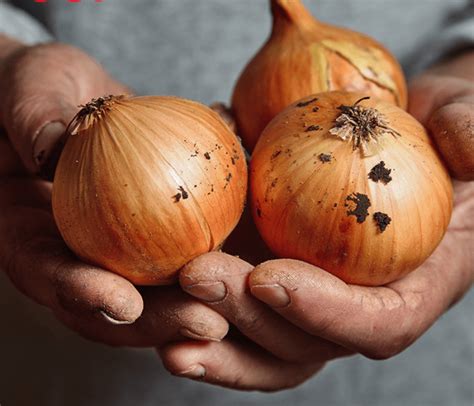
point(305, 56)
point(352, 185)
point(146, 184)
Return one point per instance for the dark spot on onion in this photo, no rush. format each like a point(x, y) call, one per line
point(362, 204)
point(380, 173)
point(382, 220)
point(325, 158)
point(275, 154)
point(184, 194)
point(307, 102)
point(312, 128)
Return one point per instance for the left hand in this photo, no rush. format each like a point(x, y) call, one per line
point(293, 317)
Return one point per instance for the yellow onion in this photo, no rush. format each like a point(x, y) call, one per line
point(305, 56)
point(350, 184)
point(145, 184)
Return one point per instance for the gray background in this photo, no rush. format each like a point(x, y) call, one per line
point(196, 49)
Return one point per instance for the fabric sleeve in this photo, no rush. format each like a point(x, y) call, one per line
point(19, 25)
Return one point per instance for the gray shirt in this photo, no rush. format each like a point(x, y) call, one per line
point(196, 49)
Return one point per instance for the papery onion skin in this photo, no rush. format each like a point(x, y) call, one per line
point(300, 200)
point(305, 56)
point(148, 185)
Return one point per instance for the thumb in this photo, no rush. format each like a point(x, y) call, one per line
point(42, 87)
point(444, 105)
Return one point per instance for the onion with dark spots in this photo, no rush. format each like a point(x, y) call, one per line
point(135, 190)
point(334, 215)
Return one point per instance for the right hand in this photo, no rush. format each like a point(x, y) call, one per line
point(40, 89)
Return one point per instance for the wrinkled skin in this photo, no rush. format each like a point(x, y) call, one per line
point(97, 304)
point(300, 315)
point(322, 317)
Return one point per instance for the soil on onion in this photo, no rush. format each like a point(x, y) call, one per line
point(182, 194)
point(380, 173)
point(325, 157)
point(312, 128)
point(275, 154)
point(382, 220)
point(361, 209)
point(307, 102)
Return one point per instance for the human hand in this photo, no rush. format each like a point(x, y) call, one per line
point(308, 316)
point(293, 317)
point(41, 85)
point(442, 99)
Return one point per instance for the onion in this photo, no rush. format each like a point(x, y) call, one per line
point(146, 184)
point(305, 56)
point(352, 185)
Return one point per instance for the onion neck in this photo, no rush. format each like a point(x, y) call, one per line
point(291, 13)
point(92, 112)
point(361, 125)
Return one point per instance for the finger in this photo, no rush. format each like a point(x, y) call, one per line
point(377, 322)
point(429, 92)
point(234, 365)
point(221, 281)
point(41, 89)
point(444, 104)
point(10, 163)
point(452, 128)
point(95, 303)
point(90, 300)
point(169, 315)
point(25, 191)
point(460, 66)
point(37, 261)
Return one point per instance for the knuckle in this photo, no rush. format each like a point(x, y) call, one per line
point(390, 334)
point(382, 353)
point(391, 347)
point(238, 380)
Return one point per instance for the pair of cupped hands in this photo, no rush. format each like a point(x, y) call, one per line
point(228, 322)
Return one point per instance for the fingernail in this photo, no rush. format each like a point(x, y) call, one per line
point(196, 336)
point(274, 295)
point(113, 320)
point(193, 372)
point(48, 147)
point(208, 291)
